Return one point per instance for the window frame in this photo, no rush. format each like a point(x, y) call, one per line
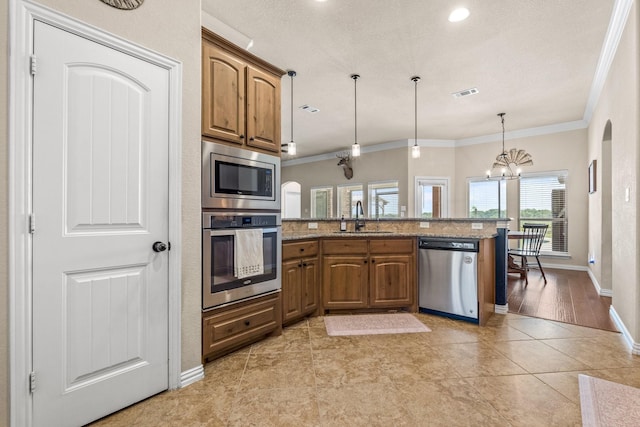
point(502, 207)
point(340, 201)
point(369, 196)
point(419, 181)
point(312, 201)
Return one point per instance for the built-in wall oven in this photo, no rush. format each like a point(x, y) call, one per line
point(241, 256)
point(239, 179)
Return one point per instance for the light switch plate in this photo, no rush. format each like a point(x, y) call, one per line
point(312, 225)
point(476, 226)
point(424, 224)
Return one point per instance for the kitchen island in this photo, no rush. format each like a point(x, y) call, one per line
point(374, 269)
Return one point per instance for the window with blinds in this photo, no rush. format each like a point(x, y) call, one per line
point(487, 198)
point(383, 200)
point(322, 202)
point(543, 201)
point(348, 196)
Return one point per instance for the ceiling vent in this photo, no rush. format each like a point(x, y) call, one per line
point(309, 109)
point(465, 92)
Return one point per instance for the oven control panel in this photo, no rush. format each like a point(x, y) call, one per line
point(239, 221)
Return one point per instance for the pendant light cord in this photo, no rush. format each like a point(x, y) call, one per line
point(291, 74)
point(355, 105)
point(502, 119)
point(415, 134)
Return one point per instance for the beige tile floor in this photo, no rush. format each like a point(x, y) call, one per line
point(517, 371)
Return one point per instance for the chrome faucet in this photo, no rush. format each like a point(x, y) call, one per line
point(359, 222)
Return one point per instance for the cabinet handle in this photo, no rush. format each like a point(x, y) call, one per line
point(241, 136)
point(373, 260)
point(251, 139)
point(304, 264)
point(301, 249)
point(365, 261)
point(299, 264)
point(247, 323)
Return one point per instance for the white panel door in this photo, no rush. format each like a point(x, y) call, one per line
point(100, 199)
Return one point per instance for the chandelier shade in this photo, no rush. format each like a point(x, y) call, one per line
point(507, 164)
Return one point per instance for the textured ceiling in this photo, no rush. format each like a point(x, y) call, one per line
point(533, 59)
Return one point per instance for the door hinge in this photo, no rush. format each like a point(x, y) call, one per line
point(32, 223)
point(33, 65)
point(32, 382)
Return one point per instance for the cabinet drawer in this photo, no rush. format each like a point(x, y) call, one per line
point(392, 246)
point(299, 249)
point(233, 326)
point(345, 246)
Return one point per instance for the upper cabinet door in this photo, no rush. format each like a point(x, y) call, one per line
point(223, 95)
point(263, 110)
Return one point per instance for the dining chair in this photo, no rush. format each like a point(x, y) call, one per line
point(532, 239)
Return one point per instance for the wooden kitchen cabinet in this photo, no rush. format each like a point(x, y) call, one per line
point(234, 326)
point(240, 96)
point(300, 292)
point(377, 273)
point(345, 282)
point(391, 280)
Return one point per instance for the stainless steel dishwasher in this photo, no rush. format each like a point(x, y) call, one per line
point(448, 281)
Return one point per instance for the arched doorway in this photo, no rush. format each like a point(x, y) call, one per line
point(606, 212)
point(291, 201)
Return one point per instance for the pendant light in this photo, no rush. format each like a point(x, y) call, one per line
point(415, 150)
point(355, 148)
point(290, 148)
point(508, 163)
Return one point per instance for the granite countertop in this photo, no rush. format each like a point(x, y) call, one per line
point(300, 235)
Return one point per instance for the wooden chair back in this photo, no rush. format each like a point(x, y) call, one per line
point(533, 238)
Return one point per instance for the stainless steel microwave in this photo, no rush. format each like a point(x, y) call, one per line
point(235, 178)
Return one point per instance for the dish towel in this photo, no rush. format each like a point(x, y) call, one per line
point(248, 254)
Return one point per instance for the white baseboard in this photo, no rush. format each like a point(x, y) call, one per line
point(501, 308)
point(565, 267)
point(191, 376)
point(633, 346)
point(602, 292)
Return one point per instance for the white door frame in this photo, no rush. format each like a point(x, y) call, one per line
point(22, 14)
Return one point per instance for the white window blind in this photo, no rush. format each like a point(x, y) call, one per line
point(543, 201)
point(487, 198)
point(348, 196)
point(383, 200)
point(322, 202)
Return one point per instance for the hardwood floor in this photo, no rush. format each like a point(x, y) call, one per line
point(568, 296)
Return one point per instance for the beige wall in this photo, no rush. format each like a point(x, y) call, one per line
point(4, 241)
point(173, 29)
point(619, 103)
point(559, 151)
point(433, 163)
point(381, 165)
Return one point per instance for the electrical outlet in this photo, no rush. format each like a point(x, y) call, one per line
point(476, 226)
point(312, 225)
point(424, 224)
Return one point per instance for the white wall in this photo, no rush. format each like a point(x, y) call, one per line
point(4, 240)
point(619, 103)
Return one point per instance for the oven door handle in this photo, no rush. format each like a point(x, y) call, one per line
point(231, 231)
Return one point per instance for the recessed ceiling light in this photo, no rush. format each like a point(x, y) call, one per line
point(460, 14)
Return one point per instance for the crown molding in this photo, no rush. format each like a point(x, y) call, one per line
point(524, 133)
point(619, 16)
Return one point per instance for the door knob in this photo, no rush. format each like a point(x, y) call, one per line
point(159, 247)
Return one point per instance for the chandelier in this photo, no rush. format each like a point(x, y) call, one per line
point(507, 164)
